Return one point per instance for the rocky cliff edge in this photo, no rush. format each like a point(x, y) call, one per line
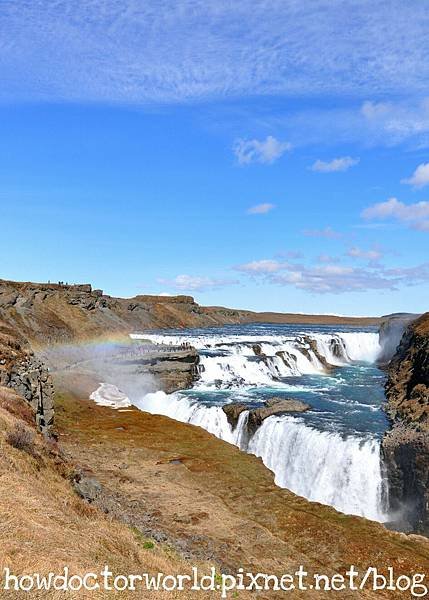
point(406, 445)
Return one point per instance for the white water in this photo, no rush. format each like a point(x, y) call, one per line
point(231, 360)
point(323, 466)
point(109, 395)
point(180, 408)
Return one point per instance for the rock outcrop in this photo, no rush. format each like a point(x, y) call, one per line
point(312, 345)
point(256, 416)
point(171, 370)
point(406, 445)
point(390, 332)
point(28, 376)
point(48, 313)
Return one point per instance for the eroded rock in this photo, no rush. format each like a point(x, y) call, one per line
point(272, 406)
point(27, 375)
point(406, 446)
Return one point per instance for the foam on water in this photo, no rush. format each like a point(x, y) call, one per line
point(259, 360)
point(109, 395)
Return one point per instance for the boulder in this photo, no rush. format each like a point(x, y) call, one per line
point(272, 406)
point(87, 487)
point(233, 411)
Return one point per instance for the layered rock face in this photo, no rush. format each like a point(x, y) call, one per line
point(53, 313)
point(256, 416)
point(406, 445)
point(176, 371)
point(160, 368)
point(23, 372)
point(390, 333)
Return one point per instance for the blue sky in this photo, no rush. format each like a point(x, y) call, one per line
point(271, 155)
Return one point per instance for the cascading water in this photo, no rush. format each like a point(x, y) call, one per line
point(211, 418)
point(264, 359)
point(322, 466)
point(330, 454)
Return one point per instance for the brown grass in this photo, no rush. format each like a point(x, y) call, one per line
point(12, 403)
point(45, 526)
point(421, 325)
point(21, 438)
point(193, 484)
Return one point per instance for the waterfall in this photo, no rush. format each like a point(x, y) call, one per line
point(211, 418)
point(258, 360)
point(322, 466)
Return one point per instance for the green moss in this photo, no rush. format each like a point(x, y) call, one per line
point(148, 545)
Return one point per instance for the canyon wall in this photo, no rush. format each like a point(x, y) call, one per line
point(48, 313)
point(38, 319)
point(391, 331)
point(22, 371)
point(406, 445)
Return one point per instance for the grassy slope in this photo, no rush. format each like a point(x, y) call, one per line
point(44, 525)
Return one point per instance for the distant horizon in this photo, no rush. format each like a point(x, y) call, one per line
point(241, 308)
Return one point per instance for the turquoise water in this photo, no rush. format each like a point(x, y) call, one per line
point(348, 400)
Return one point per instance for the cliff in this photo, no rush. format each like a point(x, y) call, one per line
point(391, 330)
point(39, 316)
point(142, 492)
point(51, 313)
point(27, 375)
point(406, 445)
point(136, 369)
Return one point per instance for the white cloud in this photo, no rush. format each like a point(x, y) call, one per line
point(158, 50)
point(336, 278)
point(395, 122)
point(421, 225)
point(420, 177)
point(260, 151)
point(327, 232)
point(193, 284)
point(415, 215)
point(371, 255)
point(262, 266)
point(334, 165)
point(191, 51)
point(375, 110)
point(326, 258)
point(260, 209)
